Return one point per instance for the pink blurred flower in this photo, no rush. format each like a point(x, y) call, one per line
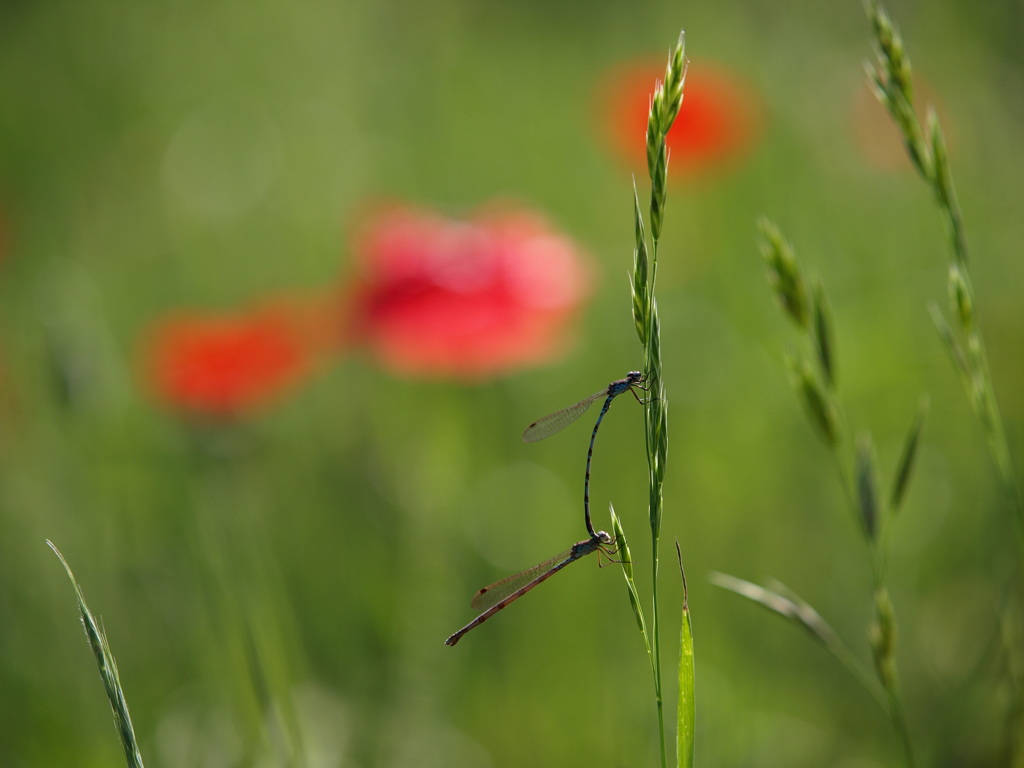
point(717, 124)
point(447, 298)
point(228, 364)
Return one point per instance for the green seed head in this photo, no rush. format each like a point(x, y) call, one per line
point(960, 300)
point(784, 273)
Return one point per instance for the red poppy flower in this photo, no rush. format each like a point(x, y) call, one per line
point(463, 298)
point(716, 124)
point(226, 364)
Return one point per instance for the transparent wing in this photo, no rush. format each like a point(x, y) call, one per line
point(499, 590)
point(559, 420)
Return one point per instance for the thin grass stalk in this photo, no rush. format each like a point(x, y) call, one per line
point(891, 75)
point(665, 104)
point(855, 462)
point(645, 318)
point(686, 715)
point(783, 602)
point(108, 671)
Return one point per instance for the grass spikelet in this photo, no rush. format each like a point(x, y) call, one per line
point(823, 343)
point(859, 480)
point(665, 105)
point(961, 300)
point(108, 671)
point(906, 466)
point(625, 558)
point(891, 74)
point(783, 273)
point(867, 488)
point(815, 399)
point(641, 276)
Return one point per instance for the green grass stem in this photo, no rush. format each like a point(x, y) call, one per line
point(665, 105)
point(108, 671)
point(687, 711)
point(785, 603)
point(813, 370)
point(891, 75)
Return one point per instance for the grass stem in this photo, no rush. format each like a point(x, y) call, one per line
point(665, 105)
point(108, 671)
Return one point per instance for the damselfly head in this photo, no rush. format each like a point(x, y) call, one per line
point(603, 537)
point(634, 377)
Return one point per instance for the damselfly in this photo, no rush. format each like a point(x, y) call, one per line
point(492, 599)
point(559, 420)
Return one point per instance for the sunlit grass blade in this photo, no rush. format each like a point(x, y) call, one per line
point(783, 602)
point(687, 710)
point(108, 671)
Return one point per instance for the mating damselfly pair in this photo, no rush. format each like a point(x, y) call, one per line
point(499, 595)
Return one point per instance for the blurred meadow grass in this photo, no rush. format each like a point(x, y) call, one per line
point(201, 155)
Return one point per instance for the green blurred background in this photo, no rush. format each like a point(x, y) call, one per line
point(290, 581)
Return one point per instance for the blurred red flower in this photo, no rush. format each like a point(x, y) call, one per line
point(223, 365)
point(716, 126)
point(446, 298)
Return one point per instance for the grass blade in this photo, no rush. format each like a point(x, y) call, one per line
point(108, 671)
point(783, 602)
point(626, 561)
point(686, 715)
